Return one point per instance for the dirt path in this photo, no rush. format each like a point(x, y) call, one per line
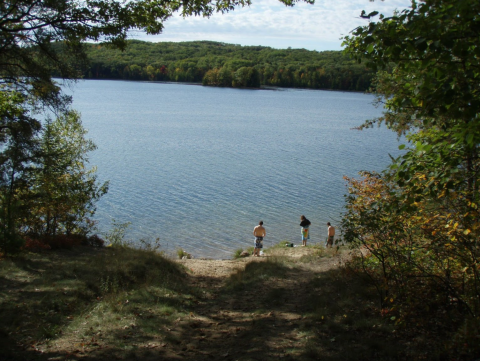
point(293, 304)
point(245, 309)
point(263, 322)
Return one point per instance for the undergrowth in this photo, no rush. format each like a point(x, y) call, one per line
point(238, 252)
point(72, 292)
point(115, 301)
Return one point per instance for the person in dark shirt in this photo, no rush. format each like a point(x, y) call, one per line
point(305, 224)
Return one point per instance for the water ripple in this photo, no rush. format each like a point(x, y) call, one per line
point(199, 167)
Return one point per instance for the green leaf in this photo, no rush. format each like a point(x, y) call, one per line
point(469, 139)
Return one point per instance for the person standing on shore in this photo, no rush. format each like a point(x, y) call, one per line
point(331, 235)
point(305, 224)
point(259, 232)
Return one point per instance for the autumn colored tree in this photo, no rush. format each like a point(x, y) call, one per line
point(418, 223)
point(211, 78)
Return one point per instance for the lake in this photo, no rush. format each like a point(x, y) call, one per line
point(198, 167)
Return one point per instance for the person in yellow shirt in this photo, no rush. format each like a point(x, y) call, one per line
point(259, 232)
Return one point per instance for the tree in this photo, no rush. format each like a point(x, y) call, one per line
point(424, 220)
point(18, 131)
point(225, 77)
point(436, 64)
point(246, 77)
point(64, 191)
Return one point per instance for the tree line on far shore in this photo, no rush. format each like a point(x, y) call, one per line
point(227, 65)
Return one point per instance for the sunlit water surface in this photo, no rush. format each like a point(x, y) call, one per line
point(198, 167)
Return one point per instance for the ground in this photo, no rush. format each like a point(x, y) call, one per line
point(291, 304)
point(222, 323)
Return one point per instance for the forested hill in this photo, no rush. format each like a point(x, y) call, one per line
point(220, 64)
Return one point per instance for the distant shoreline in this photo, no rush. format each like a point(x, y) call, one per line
point(263, 87)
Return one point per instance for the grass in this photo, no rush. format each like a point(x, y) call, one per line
point(127, 304)
point(272, 250)
point(238, 252)
point(281, 244)
point(181, 253)
point(340, 319)
point(86, 294)
point(342, 313)
point(254, 273)
point(319, 252)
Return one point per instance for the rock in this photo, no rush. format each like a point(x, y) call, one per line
point(244, 254)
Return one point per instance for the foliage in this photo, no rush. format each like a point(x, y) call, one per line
point(422, 259)
point(227, 65)
point(436, 56)
point(116, 236)
point(65, 191)
point(19, 145)
point(433, 85)
point(418, 223)
point(62, 241)
point(237, 253)
point(151, 245)
point(29, 30)
point(181, 253)
point(45, 189)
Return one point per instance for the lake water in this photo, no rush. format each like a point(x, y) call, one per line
point(198, 167)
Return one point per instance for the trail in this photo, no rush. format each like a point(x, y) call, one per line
point(231, 327)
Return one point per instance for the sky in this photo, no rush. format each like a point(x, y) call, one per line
point(270, 23)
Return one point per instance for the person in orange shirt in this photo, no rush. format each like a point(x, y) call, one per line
point(259, 232)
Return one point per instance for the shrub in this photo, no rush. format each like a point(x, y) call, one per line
point(34, 244)
point(181, 253)
point(237, 253)
point(93, 241)
point(64, 241)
